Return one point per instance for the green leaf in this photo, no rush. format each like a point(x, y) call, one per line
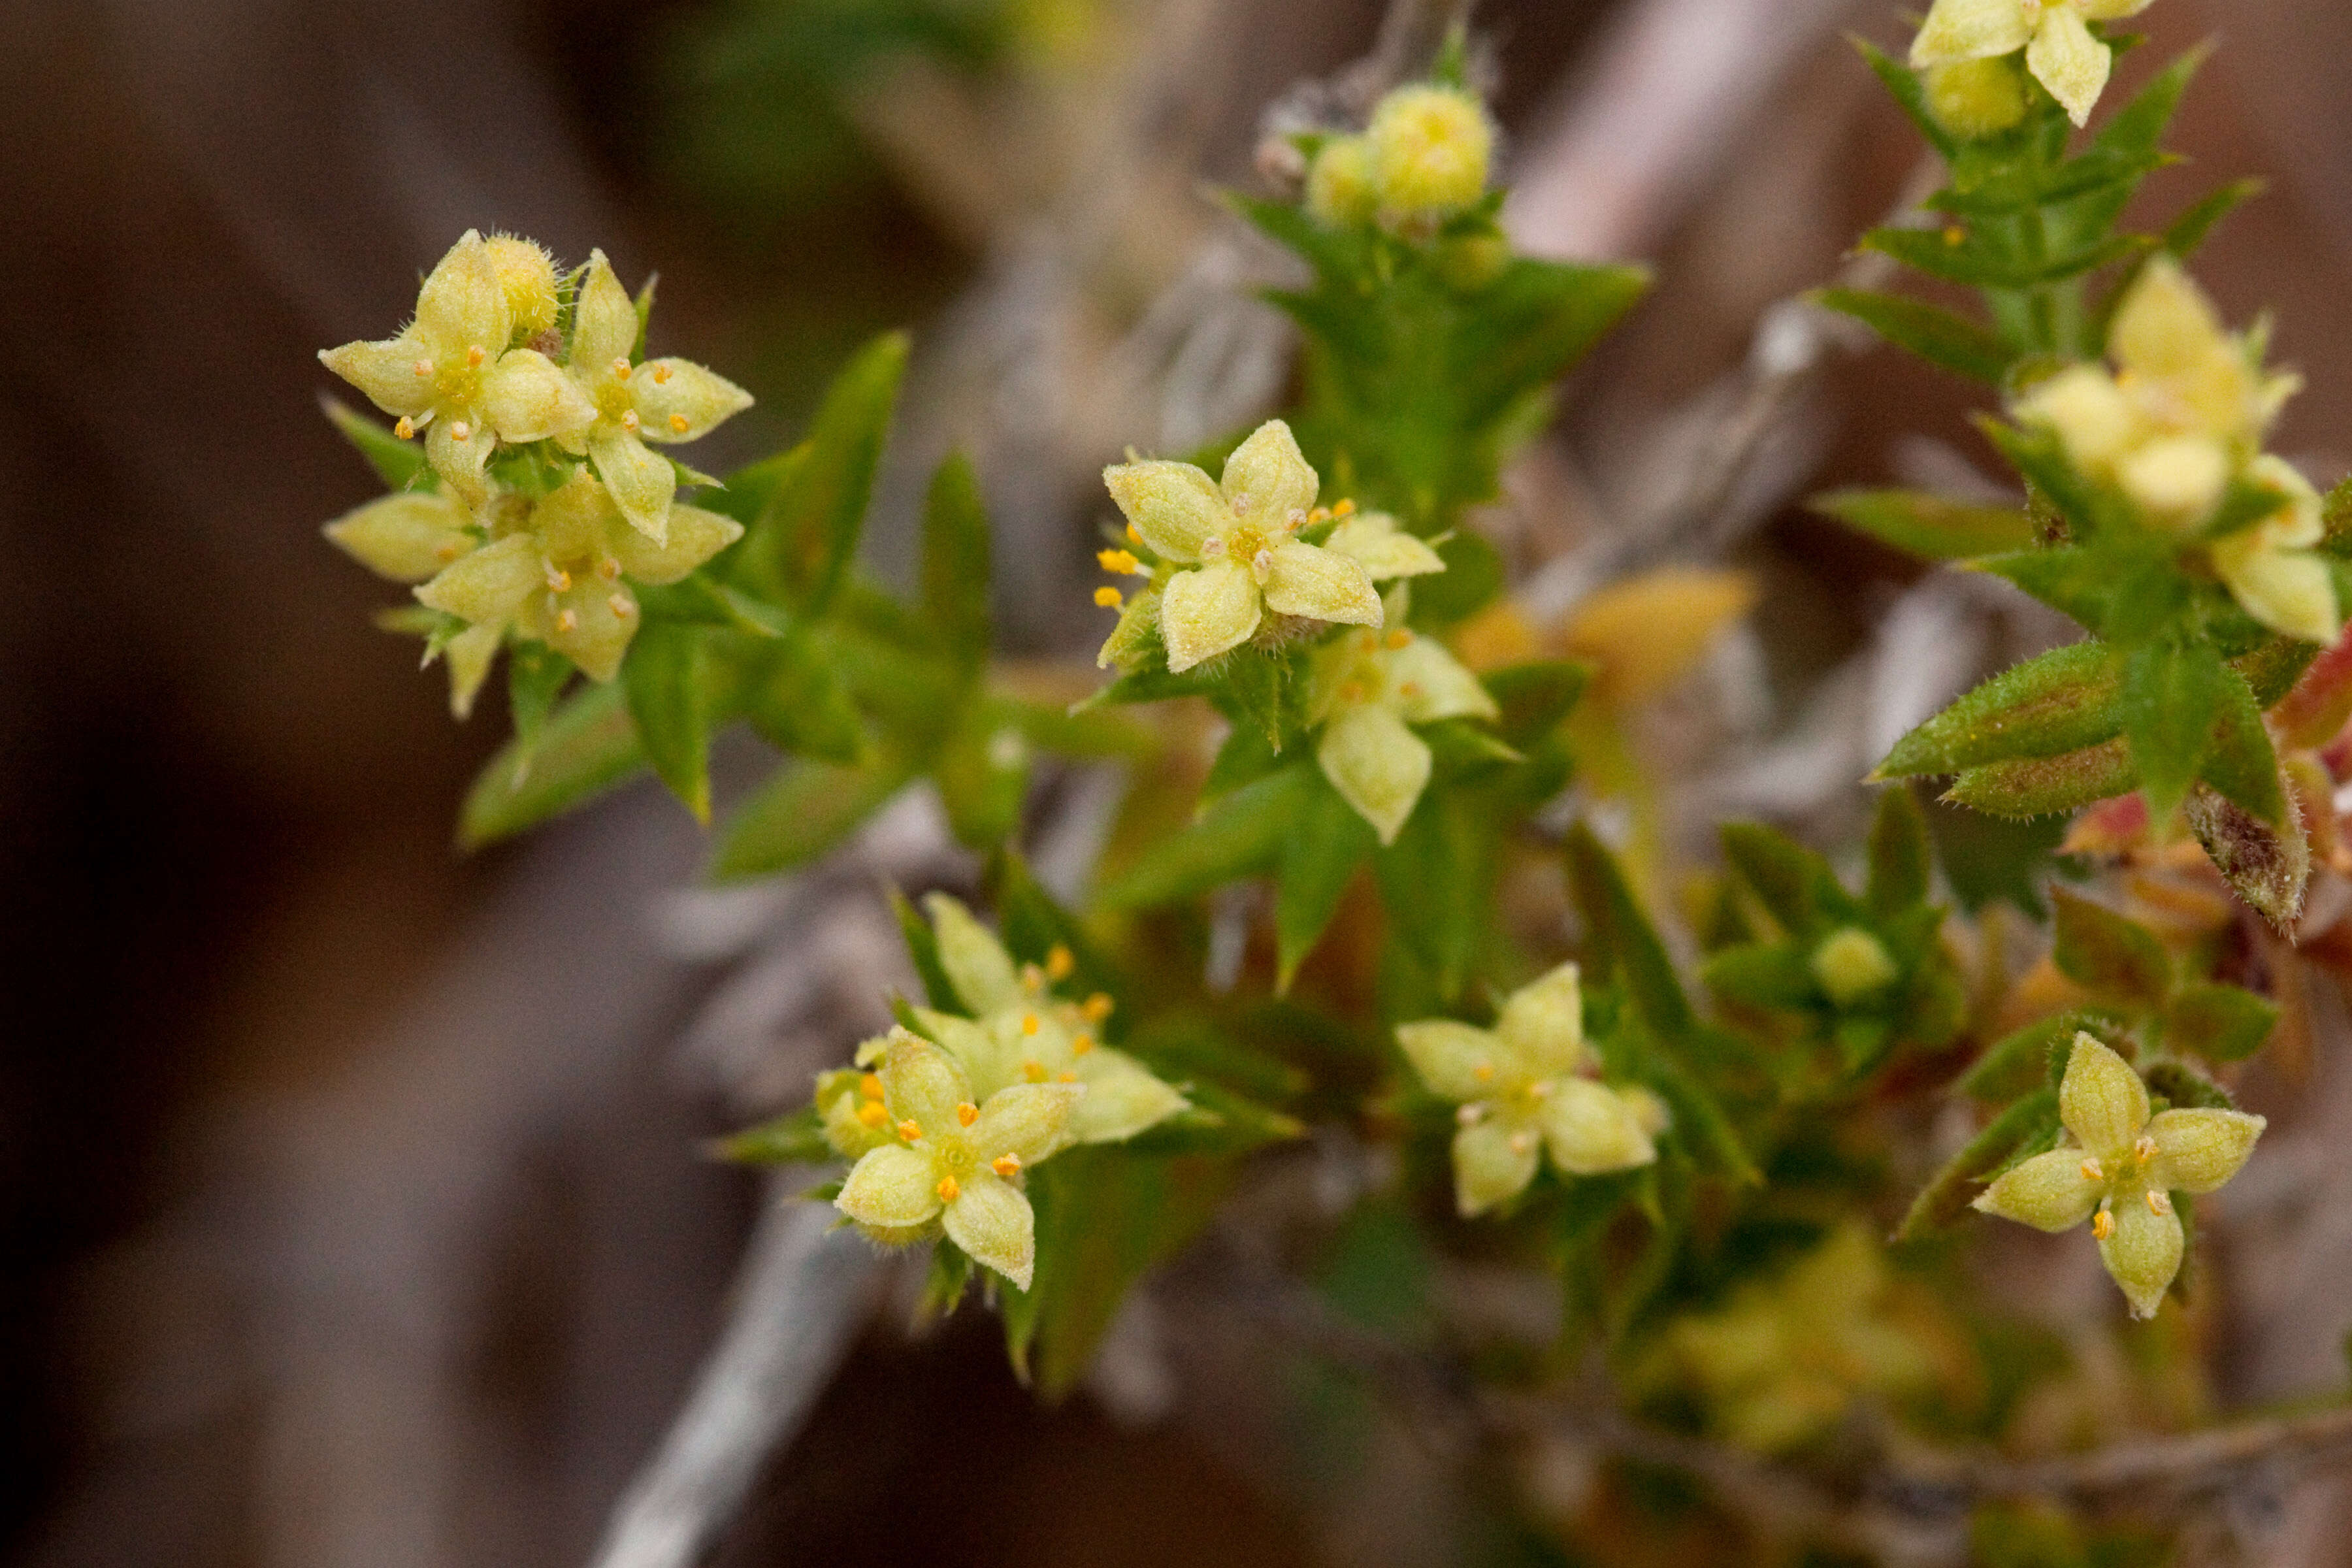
point(1900, 863)
point(802, 541)
point(1620, 938)
point(2267, 865)
point(2077, 583)
point(2185, 235)
point(2240, 762)
point(666, 676)
point(1770, 975)
point(2109, 955)
point(1904, 83)
point(1794, 884)
point(956, 562)
point(795, 1138)
point(801, 811)
point(536, 677)
point(399, 464)
point(1982, 266)
point(1946, 1199)
point(1700, 1119)
point(1437, 883)
point(2019, 1062)
point(2041, 786)
point(1239, 835)
point(588, 745)
point(1936, 335)
point(2057, 702)
point(1535, 698)
point(2188, 1089)
point(1929, 526)
point(797, 704)
point(1989, 857)
point(2220, 1023)
point(2171, 694)
point(923, 951)
point(1319, 859)
point(982, 773)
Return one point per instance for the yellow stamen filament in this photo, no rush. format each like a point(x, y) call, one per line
point(1109, 598)
point(1034, 1072)
point(1029, 1024)
point(1400, 638)
point(677, 423)
point(2091, 1171)
point(872, 1114)
point(661, 376)
point(1122, 561)
point(2102, 1224)
point(474, 354)
point(629, 421)
point(1096, 1007)
point(1006, 1165)
point(2158, 1204)
point(620, 370)
point(910, 1130)
point(1059, 963)
point(967, 1113)
point(405, 429)
point(870, 1086)
point(947, 1189)
point(1082, 1045)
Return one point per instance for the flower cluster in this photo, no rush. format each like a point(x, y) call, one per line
point(2180, 420)
point(1523, 1090)
point(1366, 689)
point(1424, 158)
point(1966, 46)
point(548, 501)
point(2121, 1171)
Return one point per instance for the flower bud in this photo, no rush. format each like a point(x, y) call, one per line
point(1975, 98)
point(1430, 148)
point(1340, 184)
point(1851, 965)
point(527, 274)
point(2177, 478)
point(1472, 261)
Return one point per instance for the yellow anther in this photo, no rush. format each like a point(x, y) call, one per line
point(629, 421)
point(967, 1113)
point(910, 1130)
point(677, 423)
point(2102, 1224)
point(1029, 1024)
point(1033, 979)
point(1400, 638)
point(1522, 1141)
point(474, 354)
point(1122, 561)
point(620, 604)
point(872, 1114)
point(1059, 962)
point(565, 621)
point(447, 552)
point(1109, 598)
point(947, 1189)
point(1954, 235)
point(870, 1086)
point(1343, 509)
point(1006, 1165)
point(1069, 1078)
point(460, 431)
point(1470, 1115)
point(1351, 691)
point(661, 376)
point(1293, 520)
point(558, 581)
point(1484, 1072)
point(1133, 537)
point(1082, 1045)
point(2159, 1202)
point(1320, 514)
point(1408, 689)
point(1096, 1007)
point(620, 369)
point(2144, 1148)
point(423, 367)
point(2091, 1171)
point(405, 429)
point(609, 568)
point(1033, 1070)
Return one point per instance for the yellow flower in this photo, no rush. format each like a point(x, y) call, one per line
point(407, 536)
point(1365, 689)
point(1241, 536)
point(958, 1160)
point(2060, 48)
point(452, 374)
point(558, 571)
point(1521, 1095)
point(1430, 147)
point(2276, 575)
point(663, 400)
point(2121, 1170)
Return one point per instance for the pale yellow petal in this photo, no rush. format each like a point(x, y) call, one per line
point(2112, 10)
point(982, 972)
point(1587, 1130)
point(1321, 584)
point(469, 655)
point(463, 305)
point(1374, 541)
point(1543, 1023)
point(678, 400)
point(605, 322)
point(1029, 1121)
point(1376, 765)
point(1455, 1061)
point(2143, 1252)
point(921, 1083)
point(1492, 1165)
point(694, 536)
point(2101, 1101)
point(407, 537)
point(458, 450)
point(2065, 58)
point(1203, 613)
point(2289, 591)
point(993, 1223)
point(641, 480)
point(1969, 30)
point(2048, 1192)
point(893, 1186)
point(487, 587)
point(2198, 1151)
point(591, 625)
point(2093, 418)
point(2165, 327)
point(1123, 1098)
point(526, 398)
point(386, 372)
point(2176, 478)
point(1174, 507)
point(1267, 480)
point(1430, 684)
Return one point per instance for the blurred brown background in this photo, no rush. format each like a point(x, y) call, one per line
point(293, 1098)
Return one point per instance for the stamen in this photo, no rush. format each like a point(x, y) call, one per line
point(1522, 1141)
point(460, 431)
point(447, 552)
point(1400, 638)
point(2159, 1202)
point(1096, 1007)
point(2102, 1224)
point(1133, 537)
point(870, 1086)
point(621, 604)
point(1214, 547)
point(1082, 1045)
point(872, 1113)
point(1293, 520)
point(947, 1189)
point(911, 1131)
point(1029, 1023)
point(1033, 1070)
point(474, 354)
point(1343, 509)
point(1472, 1114)
point(1955, 235)
point(609, 568)
point(1241, 505)
point(405, 429)
point(1262, 565)
point(1059, 963)
point(423, 367)
point(1351, 691)
point(1484, 1072)
point(967, 1113)
point(558, 581)
point(1109, 598)
point(629, 421)
point(1033, 979)
point(1122, 561)
point(1069, 1078)
point(620, 368)
point(2091, 1172)
point(1408, 689)
point(2144, 1148)
point(1006, 1165)
point(565, 621)
point(677, 423)
point(661, 376)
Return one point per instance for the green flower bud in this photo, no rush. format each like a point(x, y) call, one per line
point(1975, 98)
point(527, 274)
point(1851, 965)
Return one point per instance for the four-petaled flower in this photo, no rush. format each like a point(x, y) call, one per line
point(1242, 538)
point(554, 570)
point(2061, 50)
point(1024, 1034)
point(956, 1158)
point(451, 373)
point(1521, 1094)
point(2121, 1171)
point(665, 400)
point(2182, 414)
point(1365, 688)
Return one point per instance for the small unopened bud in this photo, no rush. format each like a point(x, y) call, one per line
point(526, 276)
point(1340, 184)
point(1851, 965)
point(1975, 98)
point(1430, 148)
